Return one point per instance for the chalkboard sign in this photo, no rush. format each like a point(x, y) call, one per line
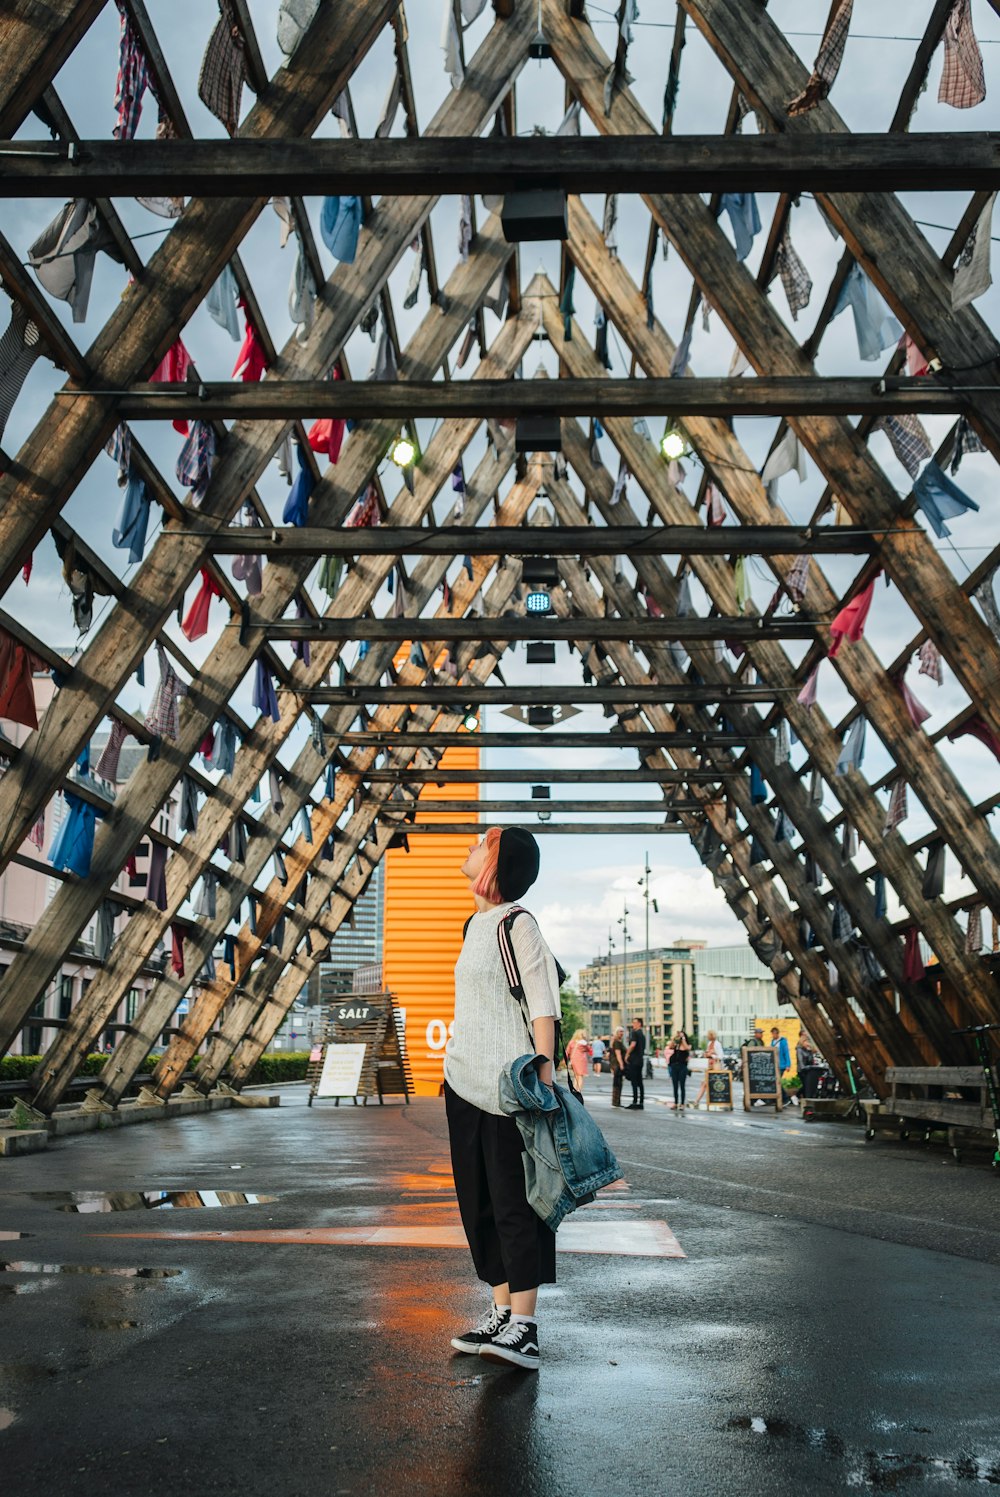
point(761, 1077)
point(720, 1089)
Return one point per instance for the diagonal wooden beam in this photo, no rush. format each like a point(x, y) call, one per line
point(36, 37)
point(920, 574)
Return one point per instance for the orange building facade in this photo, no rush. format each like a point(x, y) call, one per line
point(427, 902)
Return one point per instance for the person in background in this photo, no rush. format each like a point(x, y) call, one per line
point(779, 1043)
point(598, 1048)
point(680, 1054)
point(635, 1065)
point(578, 1053)
point(616, 1055)
point(757, 1041)
point(715, 1058)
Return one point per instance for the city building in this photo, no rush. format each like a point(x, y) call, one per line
point(734, 989)
point(657, 986)
point(357, 946)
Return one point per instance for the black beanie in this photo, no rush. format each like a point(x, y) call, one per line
point(517, 862)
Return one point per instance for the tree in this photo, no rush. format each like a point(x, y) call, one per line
point(573, 1014)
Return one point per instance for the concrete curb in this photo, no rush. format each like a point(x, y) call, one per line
point(78, 1120)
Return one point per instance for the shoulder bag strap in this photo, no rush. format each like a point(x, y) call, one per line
point(513, 977)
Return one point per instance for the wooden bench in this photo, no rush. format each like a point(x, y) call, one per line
point(953, 1098)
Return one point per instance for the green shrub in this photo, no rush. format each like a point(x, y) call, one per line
point(18, 1067)
point(281, 1065)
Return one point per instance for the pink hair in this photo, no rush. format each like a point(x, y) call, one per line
point(486, 886)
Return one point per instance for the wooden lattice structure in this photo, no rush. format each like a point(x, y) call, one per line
point(805, 855)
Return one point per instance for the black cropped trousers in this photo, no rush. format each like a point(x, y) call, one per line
point(509, 1242)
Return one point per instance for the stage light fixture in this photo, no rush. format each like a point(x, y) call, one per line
point(470, 720)
point(673, 444)
point(541, 792)
point(403, 451)
point(538, 602)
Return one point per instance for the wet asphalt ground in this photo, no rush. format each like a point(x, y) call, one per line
point(832, 1327)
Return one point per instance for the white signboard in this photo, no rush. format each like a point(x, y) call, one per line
point(341, 1074)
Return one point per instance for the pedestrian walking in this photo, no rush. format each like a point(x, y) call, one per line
point(579, 1053)
point(616, 1053)
point(599, 1046)
point(635, 1065)
point(677, 1065)
point(779, 1043)
point(513, 1250)
point(715, 1060)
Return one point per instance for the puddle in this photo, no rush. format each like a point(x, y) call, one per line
point(876, 1471)
point(87, 1268)
point(12, 1236)
point(110, 1325)
point(7, 1417)
point(33, 1286)
point(89, 1202)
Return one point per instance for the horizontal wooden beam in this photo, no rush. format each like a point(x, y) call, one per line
point(569, 828)
point(405, 400)
point(549, 540)
point(530, 807)
point(533, 696)
point(615, 776)
point(410, 741)
point(538, 627)
point(923, 162)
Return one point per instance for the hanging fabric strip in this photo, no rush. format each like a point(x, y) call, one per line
point(566, 304)
point(934, 873)
point(265, 698)
point(163, 717)
point(918, 713)
point(913, 962)
point(188, 813)
point(908, 440)
point(940, 499)
point(972, 273)
point(852, 752)
point(300, 647)
point(782, 747)
point(196, 459)
point(73, 844)
point(296, 510)
point(827, 64)
point(930, 661)
point(874, 324)
point(133, 79)
point(880, 899)
point(129, 533)
point(317, 736)
point(898, 808)
point(797, 579)
point(974, 931)
point(173, 369)
point(206, 903)
point(195, 623)
point(251, 361)
point(118, 446)
point(976, 727)
point(63, 255)
point(966, 440)
point(19, 348)
point(305, 821)
point(850, 621)
point(340, 225)
point(106, 767)
point(963, 82)
point(249, 568)
point(156, 881)
point(794, 276)
point(223, 755)
point(758, 787)
point(807, 696)
point(220, 303)
point(744, 218)
point(104, 933)
point(986, 598)
point(176, 949)
point(224, 69)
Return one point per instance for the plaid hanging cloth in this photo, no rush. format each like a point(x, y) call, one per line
point(972, 273)
point(850, 621)
point(966, 440)
point(908, 440)
point(986, 598)
point(163, 717)
point(930, 661)
point(133, 78)
point(797, 579)
point(194, 465)
point(827, 64)
point(317, 736)
point(106, 767)
point(119, 447)
point(974, 931)
point(898, 809)
point(963, 84)
point(794, 276)
point(913, 962)
point(195, 623)
point(807, 696)
point(224, 69)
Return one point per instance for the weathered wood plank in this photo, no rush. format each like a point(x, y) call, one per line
point(402, 400)
point(821, 162)
point(525, 696)
point(443, 740)
point(36, 37)
point(540, 627)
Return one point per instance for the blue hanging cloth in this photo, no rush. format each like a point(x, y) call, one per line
point(73, 844)
point(743, 215)
point(327, 854)
point(264, 696)
point(852, 752)
point(296, 510)
point(229, 954)
point(874, 324)
point(880, 896)
point(133, 517)
point(221, 303)
point(306, 819)
point(330, 789)
point(939, 498)
point(223, 755)
point(757, 853)
point(340, 225)
point(758, 789)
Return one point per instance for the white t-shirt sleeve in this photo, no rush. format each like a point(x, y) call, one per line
point(537, 967)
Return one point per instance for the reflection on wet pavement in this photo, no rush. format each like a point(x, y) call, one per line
point(90, 1268)
point(88, 1201)
point(875, 1471)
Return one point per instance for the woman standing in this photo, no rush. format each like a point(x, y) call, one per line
point(578, 1053)
point(714, 1061)
point(616, 1053)
point(512, 1248)
point(678, 1066)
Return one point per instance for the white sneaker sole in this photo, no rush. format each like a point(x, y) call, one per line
point(507, 1357)
point(471, 1349)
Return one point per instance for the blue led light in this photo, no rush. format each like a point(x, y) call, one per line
point(538, 602)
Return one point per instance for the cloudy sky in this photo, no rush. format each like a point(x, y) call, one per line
point(584, 881)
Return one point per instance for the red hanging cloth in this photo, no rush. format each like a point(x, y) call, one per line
point(17, 695)
point(850, 621)
point(977, 728)
point(207, 744)
point(173, 370)
point(913, 962)
point(195, 623)
point(177, 950)
point(327, 434)
point(250, 361)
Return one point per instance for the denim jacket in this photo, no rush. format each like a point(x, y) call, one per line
point(566, 1159)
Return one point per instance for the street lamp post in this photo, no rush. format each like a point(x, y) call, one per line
point(623, 922)
point(644, 886)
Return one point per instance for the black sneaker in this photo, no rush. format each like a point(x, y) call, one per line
point(516, 1345)
point(483, 1333)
